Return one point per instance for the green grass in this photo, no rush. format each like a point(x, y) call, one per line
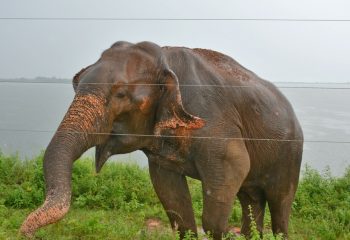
point(116, 203)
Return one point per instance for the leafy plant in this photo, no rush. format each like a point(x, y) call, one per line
point(115, 203)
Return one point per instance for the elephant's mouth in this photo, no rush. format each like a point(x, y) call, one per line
point(103, 152)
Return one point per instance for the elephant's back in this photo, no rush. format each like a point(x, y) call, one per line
point(225, 69)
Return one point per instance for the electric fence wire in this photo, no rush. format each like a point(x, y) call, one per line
point(170, 19)
point(336, 85)
point(177, 136)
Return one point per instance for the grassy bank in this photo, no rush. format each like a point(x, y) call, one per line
point(116, 203)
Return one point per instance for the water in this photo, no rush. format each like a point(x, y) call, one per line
point(324, 115)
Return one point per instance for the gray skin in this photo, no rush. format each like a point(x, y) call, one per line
point(193, 112)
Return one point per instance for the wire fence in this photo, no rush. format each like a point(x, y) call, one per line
point(178, 136)
point(336, 86)
point(171, 19)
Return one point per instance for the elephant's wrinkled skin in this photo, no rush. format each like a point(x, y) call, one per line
point(193, 112)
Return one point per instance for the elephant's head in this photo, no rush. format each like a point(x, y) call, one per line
point(128, 95)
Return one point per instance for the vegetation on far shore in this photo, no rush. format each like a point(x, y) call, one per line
point(116, 203)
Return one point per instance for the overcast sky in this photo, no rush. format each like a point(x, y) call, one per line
point(278, 51)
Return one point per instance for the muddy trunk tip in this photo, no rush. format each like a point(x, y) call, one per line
point(47, 214)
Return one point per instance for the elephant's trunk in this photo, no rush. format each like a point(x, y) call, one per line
point(73, 137)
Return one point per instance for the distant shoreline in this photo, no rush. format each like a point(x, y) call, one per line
point(35, 80)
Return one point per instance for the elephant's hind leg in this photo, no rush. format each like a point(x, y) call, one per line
point(253, 207)
point(221, 179)
point(280, 205)
point(173, 193)
point(280, 191)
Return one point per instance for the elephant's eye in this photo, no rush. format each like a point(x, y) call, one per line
point(120, 95)
point(161, 87)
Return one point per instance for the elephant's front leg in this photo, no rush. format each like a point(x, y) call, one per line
point(173, 192)
point(222, 176)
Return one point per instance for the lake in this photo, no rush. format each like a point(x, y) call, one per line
point(323, 113)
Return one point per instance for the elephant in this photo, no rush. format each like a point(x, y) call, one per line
point(194, 113)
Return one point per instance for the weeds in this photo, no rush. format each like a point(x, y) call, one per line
point(115, 203)
point(323, 205)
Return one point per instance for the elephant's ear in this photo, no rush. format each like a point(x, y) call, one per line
point(76, 78)
point(171, 113)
